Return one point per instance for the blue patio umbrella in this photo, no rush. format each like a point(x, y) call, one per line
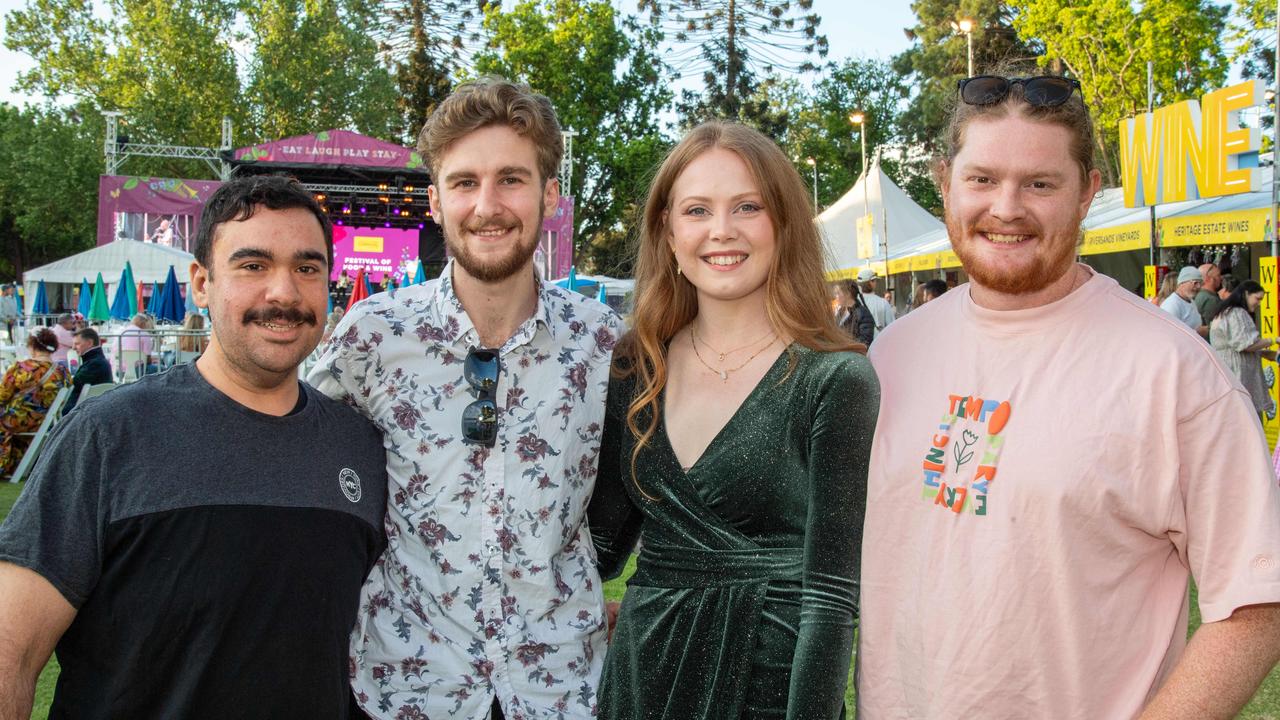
point(602, 296)
point(86, 298)
point(368, 287)
point(120, 309)
point(154, 302)
point(98, 311)
point(170, 307)
point(419, 276)
point(40, 306)
point(573, 277)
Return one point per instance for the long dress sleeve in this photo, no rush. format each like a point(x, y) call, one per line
point(613, 518)
point(1241, 332)
point(839, 452)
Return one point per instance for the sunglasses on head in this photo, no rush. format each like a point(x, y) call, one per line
point(480, 418)
point(1039, 91)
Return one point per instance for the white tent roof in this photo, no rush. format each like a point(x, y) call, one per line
point(150, 263)
point(890, 206)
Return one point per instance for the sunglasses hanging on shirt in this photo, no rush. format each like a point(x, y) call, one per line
point(480, 418)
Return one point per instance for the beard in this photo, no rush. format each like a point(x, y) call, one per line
point(1054, 257)
point(501, 268)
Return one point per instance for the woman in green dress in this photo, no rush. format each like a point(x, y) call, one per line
point(735, 449)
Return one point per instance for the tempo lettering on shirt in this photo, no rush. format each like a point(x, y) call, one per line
point(989, 418)
point(1189, 150)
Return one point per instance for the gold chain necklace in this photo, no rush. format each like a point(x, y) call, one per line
point(720, 355)
point(724, 372)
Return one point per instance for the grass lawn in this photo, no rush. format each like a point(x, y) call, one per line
point(1265, 705)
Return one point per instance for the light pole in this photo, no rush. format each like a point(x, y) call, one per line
point(814, 164)
point(860, 120)
point(966, 26)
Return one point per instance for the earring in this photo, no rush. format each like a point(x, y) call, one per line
point(678, 271)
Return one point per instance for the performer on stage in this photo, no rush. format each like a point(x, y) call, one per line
point(735, 446)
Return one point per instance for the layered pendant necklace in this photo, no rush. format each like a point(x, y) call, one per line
point(724, 372)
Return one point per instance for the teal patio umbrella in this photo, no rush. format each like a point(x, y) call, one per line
point(132, 292)
point(98, 310)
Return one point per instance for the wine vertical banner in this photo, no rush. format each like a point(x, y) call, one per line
point(1269, 326)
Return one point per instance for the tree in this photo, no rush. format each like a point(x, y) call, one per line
point(606, 85)
point(168, 65)
point(428, 42)
point(297, 83)
point(733, 43)
point(50, 160)
point(1106, 43)
point(939, 58)
point(1253, 33)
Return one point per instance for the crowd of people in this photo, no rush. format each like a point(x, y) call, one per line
point(1006, 495)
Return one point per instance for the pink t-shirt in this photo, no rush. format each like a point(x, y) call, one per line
point(134, 338)
point(65, 338)
point(1041, 483)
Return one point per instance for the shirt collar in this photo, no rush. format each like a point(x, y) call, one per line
point(446, 306)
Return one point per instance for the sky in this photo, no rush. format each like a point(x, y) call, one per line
point(864, 29)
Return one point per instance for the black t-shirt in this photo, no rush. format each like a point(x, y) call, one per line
point(215, 554)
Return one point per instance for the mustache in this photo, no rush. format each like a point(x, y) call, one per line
point(279, 316)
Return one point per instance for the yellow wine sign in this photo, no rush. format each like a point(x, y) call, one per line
point(1192, 149)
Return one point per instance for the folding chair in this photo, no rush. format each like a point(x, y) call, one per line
point(37, 440)
point(93, 391)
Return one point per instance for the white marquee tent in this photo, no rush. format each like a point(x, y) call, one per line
point(906, 221)
point(150, 263)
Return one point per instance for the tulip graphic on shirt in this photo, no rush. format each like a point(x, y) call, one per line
point(972, 427)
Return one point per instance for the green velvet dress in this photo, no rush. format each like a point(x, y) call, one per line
point(744, 599)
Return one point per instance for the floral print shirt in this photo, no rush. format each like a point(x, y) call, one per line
point(488, 587)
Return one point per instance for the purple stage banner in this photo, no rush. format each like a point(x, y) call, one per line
point(378, 250)
point(158, 210)
point(333, 147)
point(555, 251)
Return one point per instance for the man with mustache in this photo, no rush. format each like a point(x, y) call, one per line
point(195, 542)
point(1046, 480)
point(489, 387)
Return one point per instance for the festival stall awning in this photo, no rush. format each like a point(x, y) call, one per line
point(1229, 219)
point(889, 207)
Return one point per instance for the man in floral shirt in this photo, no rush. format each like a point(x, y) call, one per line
point(489, 386)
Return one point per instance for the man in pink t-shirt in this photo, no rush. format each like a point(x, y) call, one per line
point(1054, 458)
point(64, 329)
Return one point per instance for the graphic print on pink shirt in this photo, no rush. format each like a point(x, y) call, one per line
point(971, 428)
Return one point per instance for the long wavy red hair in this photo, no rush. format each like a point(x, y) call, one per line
point(796, 294)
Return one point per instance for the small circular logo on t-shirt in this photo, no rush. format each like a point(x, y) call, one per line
point(349, 481)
